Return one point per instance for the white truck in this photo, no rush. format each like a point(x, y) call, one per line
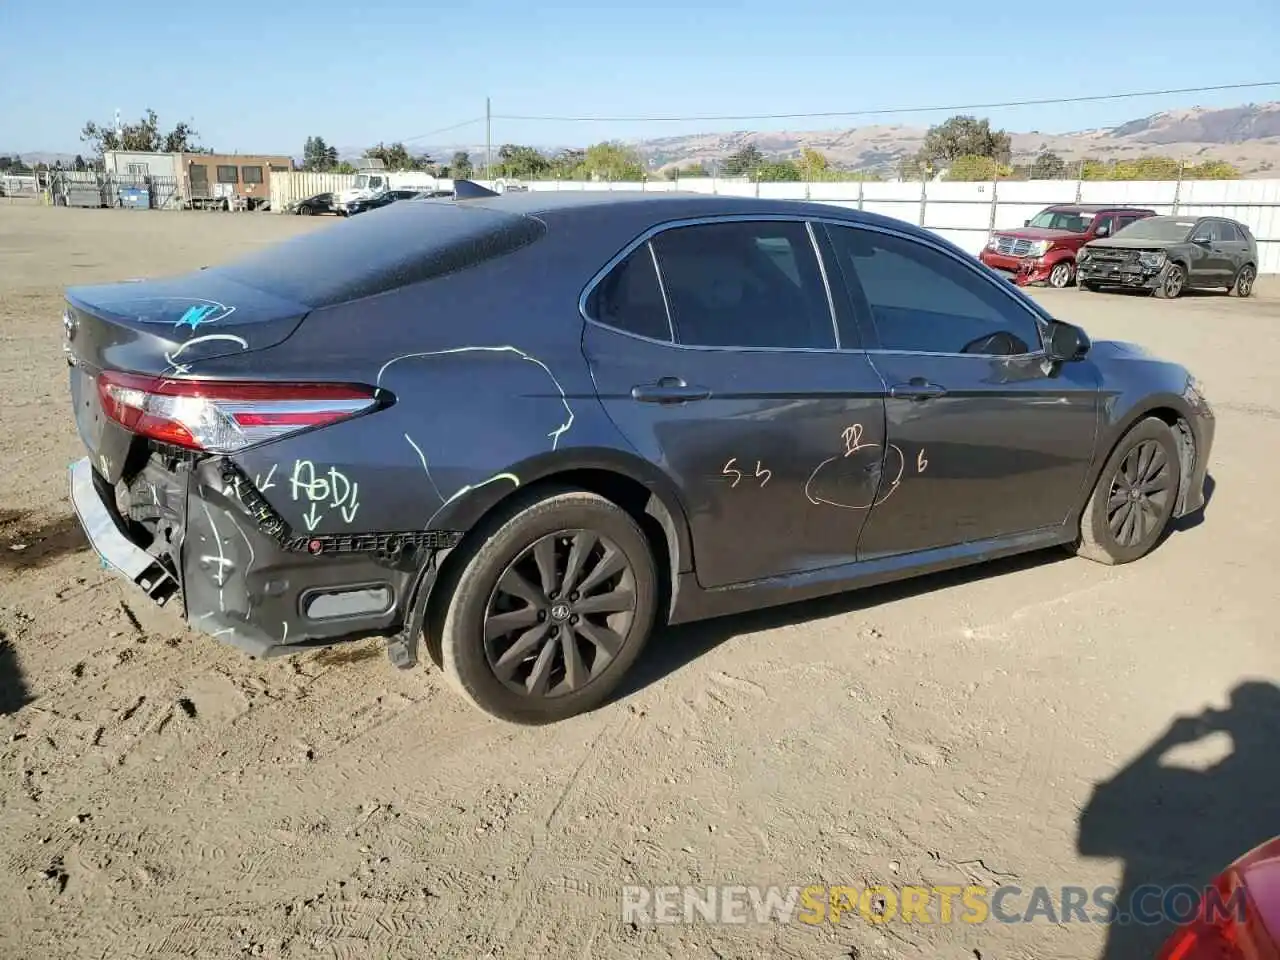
point(373, 179)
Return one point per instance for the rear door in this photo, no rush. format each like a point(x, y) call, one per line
point(1236, 246)
point(715, 350)
point(984, 438)
point(1213, 267)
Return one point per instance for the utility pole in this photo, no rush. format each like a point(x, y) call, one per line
point(488, 140)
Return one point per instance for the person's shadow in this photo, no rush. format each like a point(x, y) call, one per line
point(1179, 827)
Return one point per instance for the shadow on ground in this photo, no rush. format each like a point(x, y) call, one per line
point(675, 647)
point(13, 689)
point(1176, 827)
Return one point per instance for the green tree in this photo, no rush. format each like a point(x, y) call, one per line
point(397, 157)
point(1213, 170)
point(460, 167)
point(612, 161)
point(318, 155)
point(1048, 166)
point(777, 170)
point(964, 136)
point(78, 164)
point(144, 136)
point(690, 170)
point(520, 162)
point(813, 165)
point(568, 165)
point(744, 160)
point(971, 168)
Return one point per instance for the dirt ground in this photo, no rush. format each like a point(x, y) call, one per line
point(164, 796)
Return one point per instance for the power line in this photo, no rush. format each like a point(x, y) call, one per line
point(895, 110)
point(432, 133)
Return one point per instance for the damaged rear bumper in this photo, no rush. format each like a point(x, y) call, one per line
point(244, 577)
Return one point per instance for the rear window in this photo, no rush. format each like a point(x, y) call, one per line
point(387, 248)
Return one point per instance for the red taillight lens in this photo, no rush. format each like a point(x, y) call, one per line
point(225, 416)
point(1232, 922)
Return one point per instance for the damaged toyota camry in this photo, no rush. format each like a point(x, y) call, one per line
point(517, 433)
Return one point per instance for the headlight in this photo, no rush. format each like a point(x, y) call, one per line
point(1040, 247)
point(1084, 254)
point(993, 243)
point(1155, 259)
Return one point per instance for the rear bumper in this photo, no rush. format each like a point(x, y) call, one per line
point(262, 592)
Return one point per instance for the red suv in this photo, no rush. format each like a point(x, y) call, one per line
point(1044, 249)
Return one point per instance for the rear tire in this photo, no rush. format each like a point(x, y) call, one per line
point(1243, 285)
point(1087, 286)
point(1135, 496)
point(552, 606)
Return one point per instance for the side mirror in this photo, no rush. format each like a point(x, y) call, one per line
point(1103, 231)
point(1066, 342)
point(1200, 241)
point(1026, 223)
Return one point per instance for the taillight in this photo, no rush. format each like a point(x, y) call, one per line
point(1234, 920)
point(225, 416)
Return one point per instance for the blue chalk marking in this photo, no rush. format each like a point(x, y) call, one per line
point(195, 316)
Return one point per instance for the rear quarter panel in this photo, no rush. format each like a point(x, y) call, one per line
point(490, 392)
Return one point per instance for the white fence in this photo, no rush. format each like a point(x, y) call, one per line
point(964, 213)
point(291, 186)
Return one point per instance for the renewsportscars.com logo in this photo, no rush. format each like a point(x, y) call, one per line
point(818, 904)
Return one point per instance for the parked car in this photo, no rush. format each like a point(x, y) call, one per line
point(378, 200)
point(1168, 255)
point(1044, 249)
point(542, 423)
point(311, 206)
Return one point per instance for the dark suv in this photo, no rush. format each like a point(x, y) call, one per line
point(1044, 249)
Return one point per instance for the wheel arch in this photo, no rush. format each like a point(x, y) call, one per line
point(635, 485)
point(1172, 411)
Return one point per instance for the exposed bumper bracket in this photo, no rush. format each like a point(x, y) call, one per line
point(402, 649)
point(89, 497)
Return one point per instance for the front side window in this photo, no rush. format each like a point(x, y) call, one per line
point(924, 301)
point(1074, 220)
point(630, 298)
point(745, 284)
point(1105, 226)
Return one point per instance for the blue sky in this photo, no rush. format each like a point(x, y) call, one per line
point(357, 73)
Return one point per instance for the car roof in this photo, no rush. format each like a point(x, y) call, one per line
point(636, 206)
point(1093, 207)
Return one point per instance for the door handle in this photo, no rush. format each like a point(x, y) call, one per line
point(668, 390)
point(917, 388)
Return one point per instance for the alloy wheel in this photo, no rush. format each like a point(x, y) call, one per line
point(1173, 282)
point(560, 614)
point(1244, 285)
point(1060, 275)
point(1141, 494)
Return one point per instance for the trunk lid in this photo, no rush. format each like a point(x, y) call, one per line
point(160, 327)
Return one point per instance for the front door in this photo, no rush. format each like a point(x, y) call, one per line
point(983, 441)
point(714, 351)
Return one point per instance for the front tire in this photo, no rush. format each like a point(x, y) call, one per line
point(1060, 275)
point(1175, 280)
point(1087, 286)
point(550, 609)
point(1243, 285)
point(1135, 496)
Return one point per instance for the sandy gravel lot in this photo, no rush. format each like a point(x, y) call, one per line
point(163, 796)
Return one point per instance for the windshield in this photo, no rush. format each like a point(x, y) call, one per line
point(1163, 229)
point(362, 181)
point(1071, 220)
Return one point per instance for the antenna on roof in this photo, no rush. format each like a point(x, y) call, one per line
point(470, 190)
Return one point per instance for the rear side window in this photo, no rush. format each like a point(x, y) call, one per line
point(382, 250)
point(1227, 231)
point(745, 284)
point(630, 298)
